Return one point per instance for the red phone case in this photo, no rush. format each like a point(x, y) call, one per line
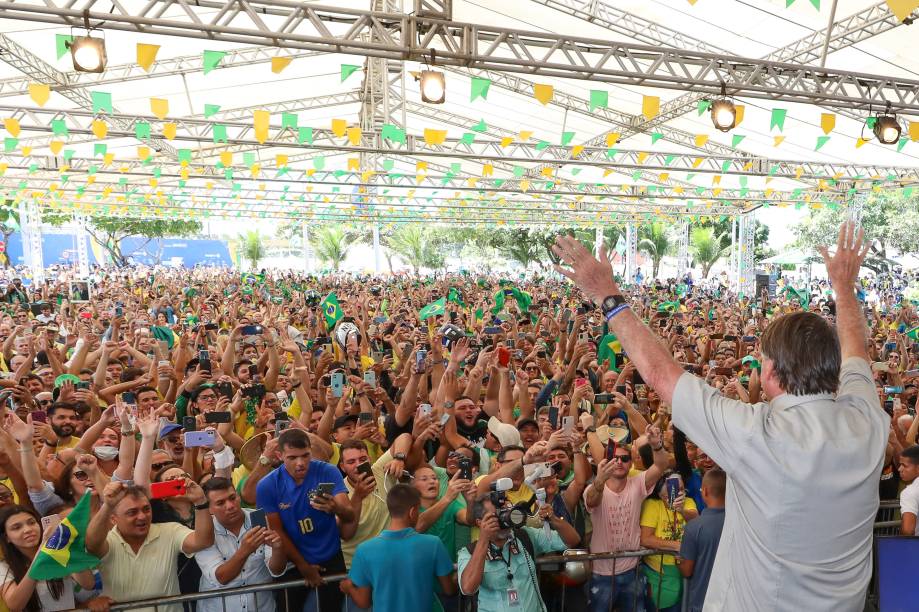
point(168, 488)
point(504, 356)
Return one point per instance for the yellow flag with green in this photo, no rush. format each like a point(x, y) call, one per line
point(331, 310)
point(65, 551)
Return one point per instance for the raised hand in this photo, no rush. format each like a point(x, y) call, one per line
point(842, 267)
point(594, 276)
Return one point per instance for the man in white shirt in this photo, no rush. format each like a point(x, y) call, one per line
point(242, 555)
point(804, 467)
point(909, 497)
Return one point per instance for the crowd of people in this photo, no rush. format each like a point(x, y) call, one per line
point(398, 443)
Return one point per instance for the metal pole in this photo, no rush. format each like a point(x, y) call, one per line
point(307, 250)
point(598, 241)
point(376, 248)
point(829, 32)
point(82, 246)
point(631, 248)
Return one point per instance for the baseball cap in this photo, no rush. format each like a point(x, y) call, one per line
point(507, 435)
point(527, 421)
point(168, 428)
point(344, 420)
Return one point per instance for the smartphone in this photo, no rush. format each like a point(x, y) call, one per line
point(568, 423)
point(218, 417)
point(886, 390)
point(48, 521)
point(200, 438)
point(280, 425)
point(729, 338)
point(424, 410)
point(620, 389)
point(365, 469)
point(509, 344)
point(251, 330)
point(189, 423)
point(39, 416)
point(257, 391)
point(464, 465)
point(364, 417)
point(553, 416)
point(377, 356)
point(749, 339)
point(504, 357)
point(493, 330)
point(888, 407)
point(603, 398)
point(225, 389)
point(83, 385)
point(890, 346)
point(911, 373)
point(420, 357)
point(128, 397)
point(325, 488)
point(169, 488)
point(204, 360)
point(253, 372)
point(257, 518)
point(337, 384)
point(723, 371)
point(370, 378)
point(610, 450)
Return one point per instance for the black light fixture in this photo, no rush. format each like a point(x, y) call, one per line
point(88, 52)
point(724, 113)
point(433, 87)
point(887, 128)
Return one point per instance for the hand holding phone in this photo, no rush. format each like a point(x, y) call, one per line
point(168, 488)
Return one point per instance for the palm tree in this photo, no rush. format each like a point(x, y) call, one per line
point(252, 247)
point(331, 244)
point(707, 248)
point(656, 243)
point(410, 243)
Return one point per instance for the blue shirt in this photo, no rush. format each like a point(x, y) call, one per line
point(700, 544)
point(313, 532)
point(416, 555)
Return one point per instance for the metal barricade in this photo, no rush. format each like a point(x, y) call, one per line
point(887, 521)
point(546, 563)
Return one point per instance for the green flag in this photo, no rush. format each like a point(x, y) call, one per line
point(331, 310)
point(65, 551)
point(913, 334)
point(455, 297)
point(433, 309)
point(523, 298)
point(793, 294)
point(608, 345)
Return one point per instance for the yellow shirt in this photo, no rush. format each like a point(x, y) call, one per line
point(72, 443)
point(668, 525)
point(374, 514)
point(151, 572)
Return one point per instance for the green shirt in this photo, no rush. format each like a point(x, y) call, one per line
point(445, 526)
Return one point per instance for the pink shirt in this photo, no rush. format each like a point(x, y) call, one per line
point(616, 525)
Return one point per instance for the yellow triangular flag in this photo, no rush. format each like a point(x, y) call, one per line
point(914, 131)
point(798, 172)
point(697, 162)
point(143, 153)
point(56, 146)
point(260, 120)
point(159, 107)
point(778, 140)
point(642, 157)
point(169, 131)
point(827, 122)
point(280, 160)
point(524, 135)
point(547, 171)
point(612, 138)
point(354, 164)
point(488, 170)
point(506, 141)
point(701, 139)
point(902, 8)
point(650, 106)
point(339, 127)
point(39, 93)
point(146, 55)
point(739, 110)
point(354, 136)
point(226, 158)
point(107, 159)
point(421, 166)
point(860, 142)
point(434, 137)
point(543, 93)
point(577, 150)
point(100, 128)
point(747, 166)
point(11, 125)
point(26, 151)
point(279, 63)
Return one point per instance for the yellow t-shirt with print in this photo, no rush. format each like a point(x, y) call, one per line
point(668, 524)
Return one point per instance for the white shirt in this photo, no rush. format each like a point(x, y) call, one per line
point(254, 571)
point(802, 492)
point(909, 501)
point(45, 598)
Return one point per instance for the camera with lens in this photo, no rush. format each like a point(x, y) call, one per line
point(513, 517)
point(375, 290)
point(312, 298)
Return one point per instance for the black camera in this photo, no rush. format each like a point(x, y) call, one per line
point(513, 517)
point(375, 290)
point(312, 298)
point(464, 465)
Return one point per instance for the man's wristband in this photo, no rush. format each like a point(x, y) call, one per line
point(658, 449)
point(612, 313)
point(203, 506)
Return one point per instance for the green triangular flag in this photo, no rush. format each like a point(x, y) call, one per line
point(567, 137)
point(393, 133)
point(703, 106)
point(220, 132)
point(821, 140)
point(481, 126)
point(64, 553)
point(479, 88)
point(59, 127)
point(305, 134)
point(210, 110)
point(62, 42)
point(599, 98)
point(455, 297)
point(901, 144)
point(433, 309)
point(655, 136)
point(347, 70)
point(211, 59)
point(816, 4)
point(736, 139)
point(102, 101)
point(778, 118)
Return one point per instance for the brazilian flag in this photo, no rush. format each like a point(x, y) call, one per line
point(65, 551)
point(608, 345)
point(455, 297)
point(433, 309)
point(523, 298)
point(913, 334)
point(331, 310)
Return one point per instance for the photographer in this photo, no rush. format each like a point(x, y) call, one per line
point(499, 569)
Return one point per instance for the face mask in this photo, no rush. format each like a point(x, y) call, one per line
point(105, 453)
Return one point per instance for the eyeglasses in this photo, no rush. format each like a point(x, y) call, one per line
point(159, 466)
point(207, 398)
point(80, 475)
point(6, 496)
point(622, 458)
point(45, 402)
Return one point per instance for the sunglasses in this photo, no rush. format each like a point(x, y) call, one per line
point(159, 466)
point(622, 458)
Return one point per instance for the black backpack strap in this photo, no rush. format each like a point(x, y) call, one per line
point(524, 538)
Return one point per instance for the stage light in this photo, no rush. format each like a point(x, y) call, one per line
point(724, 115)
point(433, 87)
point(88, 54)
point(887, 129)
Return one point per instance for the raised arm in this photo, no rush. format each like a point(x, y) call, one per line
point(595, 278)
point(842, 268)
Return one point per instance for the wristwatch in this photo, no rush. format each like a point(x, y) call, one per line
point(448, 404)
point(613, 305)
point(399, 456)
point(203, 506)
point(264, 460)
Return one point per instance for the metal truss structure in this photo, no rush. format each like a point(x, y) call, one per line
point(400, 37)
